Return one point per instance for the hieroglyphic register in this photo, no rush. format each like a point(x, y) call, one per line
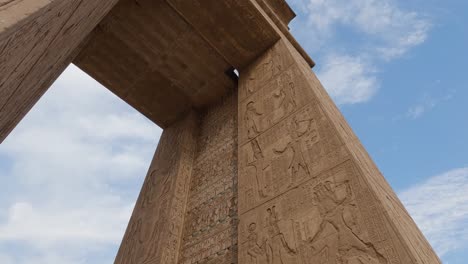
point(302, 196)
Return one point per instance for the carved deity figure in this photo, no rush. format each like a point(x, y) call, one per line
point(258, 164)
point(286, 94)
point(277, 248)
point(255, 251)
point(347, 245)
point(296, 162)
point(302, 132)
point(251, 120)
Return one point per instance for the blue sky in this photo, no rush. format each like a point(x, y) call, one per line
point(72, 169)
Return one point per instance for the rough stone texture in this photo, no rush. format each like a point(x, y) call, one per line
point(269, 173)
point(37, 41)
point(155, 229)
point(308, 192)
point(152, 58)
point(210, 231)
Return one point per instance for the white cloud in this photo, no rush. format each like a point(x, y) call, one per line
point(5, 259)
point(426, 104)
point(349, 80)
point(378, 30)
point(417, 111)
point(396, 30)
point(439, 207)
point(76, 163)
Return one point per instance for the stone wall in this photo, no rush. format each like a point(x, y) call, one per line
point(210, 232)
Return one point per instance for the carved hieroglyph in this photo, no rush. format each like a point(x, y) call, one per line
point(210, 230)
point(307, 193)
point(270, 173)
point(155, 229)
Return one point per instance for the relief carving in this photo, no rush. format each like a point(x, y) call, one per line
point(280, 158)
point(270, 65)
point(337, 214)
point(276, 245)
point(258, 165)
point(255, 249)
point(320, 222)
point(283, 99)
point(209, 229)
point(252, 120)
point(280, 98)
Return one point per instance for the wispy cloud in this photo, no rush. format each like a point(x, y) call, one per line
point(425, 104)
point(439, 207)
point(349, 79)
point(378, 30)
point(75, 165)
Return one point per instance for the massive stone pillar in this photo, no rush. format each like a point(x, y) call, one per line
point(155, 229)
point(308, 191)
point(186, 211)
point(38, 39)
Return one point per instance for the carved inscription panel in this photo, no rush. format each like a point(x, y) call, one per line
point(210, 229)
point(325, 220)
point(301, 198)
point(282, 157)
point(284, 136)
point(263, 70)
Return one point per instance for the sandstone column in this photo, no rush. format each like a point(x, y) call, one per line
point(155, 229)
point(38, 39)
point(308, 192)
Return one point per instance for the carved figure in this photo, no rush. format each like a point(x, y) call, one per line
point(276, 245)
point(259, 165)
point(296, 162)
point(349, 246)
point(148, 192)
point(251, 119)
point(256, 252)
point(286, 94)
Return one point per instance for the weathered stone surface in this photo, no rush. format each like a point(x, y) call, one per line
point(148, 55)
point(308, 192)
point(263, 169)
point(37, 41)
point(155, 228)
point(210, 231)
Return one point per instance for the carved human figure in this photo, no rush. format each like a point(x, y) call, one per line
point(255, 251)
point(277, 248)
point(297, 162)
point(149, 196)
point(349, 246)
point(286, 94)
point(258, 164)
point(251, 118)
point(266, 69)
